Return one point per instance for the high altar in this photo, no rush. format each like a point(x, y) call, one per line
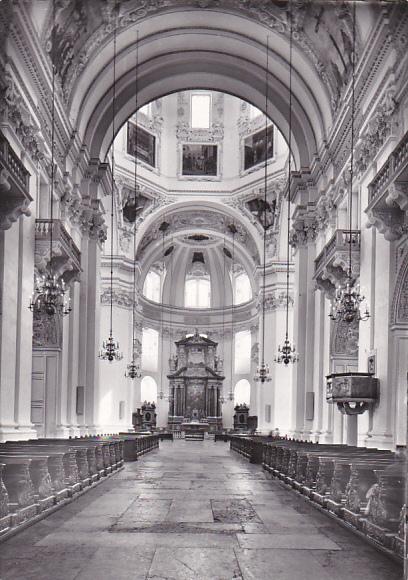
point(195, 383)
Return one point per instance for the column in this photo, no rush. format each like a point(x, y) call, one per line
point(381, 434)
point(318, 375)
point(300, 330)
point(72, 363)
point(82, 333)
point(309, 344)
point(16, 250)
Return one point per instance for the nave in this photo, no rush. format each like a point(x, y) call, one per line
point(191, 511)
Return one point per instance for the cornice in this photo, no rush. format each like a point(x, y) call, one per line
point(38, 67)
point(335, 151)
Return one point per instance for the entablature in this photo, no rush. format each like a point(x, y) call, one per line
point(65, 258)
point(332, 264)
point(388, 194)
point(14, 186)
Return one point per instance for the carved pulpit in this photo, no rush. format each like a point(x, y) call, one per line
point(196, 382)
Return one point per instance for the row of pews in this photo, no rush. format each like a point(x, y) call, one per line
point(37, 476)
point(135, 445)
point(363, 487)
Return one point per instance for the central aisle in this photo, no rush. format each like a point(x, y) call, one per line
point(191, 511)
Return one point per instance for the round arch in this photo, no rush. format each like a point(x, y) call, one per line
point(180, 207)
point(242, 392)
point(221, 50)
point(148, 389)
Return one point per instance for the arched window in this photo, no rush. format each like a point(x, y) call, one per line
point(200, 110)
point(242, 288)
point(148, 388)
point(197, 292)
point(150, 349)
point(242, 392)
point(242, 357)
point(151, 287)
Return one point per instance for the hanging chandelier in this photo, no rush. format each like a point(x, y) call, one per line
point(163, 228)
point(262, 372)
point(133, 368)
point(348, 304)
point(287, 353)
point(110, 347)
point(233, 229)
point(49, 295)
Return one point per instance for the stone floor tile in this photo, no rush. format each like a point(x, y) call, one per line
point(182, 540)
point(194, 564)
point(280, 565)
point(368, 565)
point(130, 563)
point(145, 510)
point(291, 541)
point(190, 511)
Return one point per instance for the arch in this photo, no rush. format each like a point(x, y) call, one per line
point(226, 52)
point(399, 306)
point(148, 389)
point(166, 212)
point(242, 392)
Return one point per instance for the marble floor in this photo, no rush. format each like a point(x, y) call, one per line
point(191, 511)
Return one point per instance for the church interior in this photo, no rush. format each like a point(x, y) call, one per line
point(204, 256)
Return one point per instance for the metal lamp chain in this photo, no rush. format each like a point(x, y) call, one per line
point(287, 353)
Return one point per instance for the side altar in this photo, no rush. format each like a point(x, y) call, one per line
point(195, 384)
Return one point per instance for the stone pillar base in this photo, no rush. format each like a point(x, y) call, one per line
point(326, 437)
point(380, 440)
point(62, 431)
point(21, 433)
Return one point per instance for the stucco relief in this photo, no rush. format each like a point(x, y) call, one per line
point(14, 109)
point(399, 306)
point(206, 220)
point(345, 339)
point(274, 301)
point(119, 297)
point(47, 331)
point(81, 28)
point(378, 128)
point(252, 206)
point(255, 353)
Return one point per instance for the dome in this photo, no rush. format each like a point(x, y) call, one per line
point(197, 271)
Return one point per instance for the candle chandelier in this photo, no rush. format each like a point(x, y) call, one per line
point(262, 373)
point(173, 357)
point(349, 305)
point(286, 352)
point(220, 361)
point(233, 229)
point(110, 347)
point(133, 368)
point(161, 395)
point(49, 296)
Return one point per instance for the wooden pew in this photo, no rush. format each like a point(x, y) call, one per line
point(5, 518)
point(16, 477)
point(55, 463)
point(363, 487)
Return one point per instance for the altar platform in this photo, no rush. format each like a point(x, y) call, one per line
point(195, 430)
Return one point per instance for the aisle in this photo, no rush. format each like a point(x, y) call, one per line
point(190, 511)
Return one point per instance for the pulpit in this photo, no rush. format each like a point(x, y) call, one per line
point(195, 383)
